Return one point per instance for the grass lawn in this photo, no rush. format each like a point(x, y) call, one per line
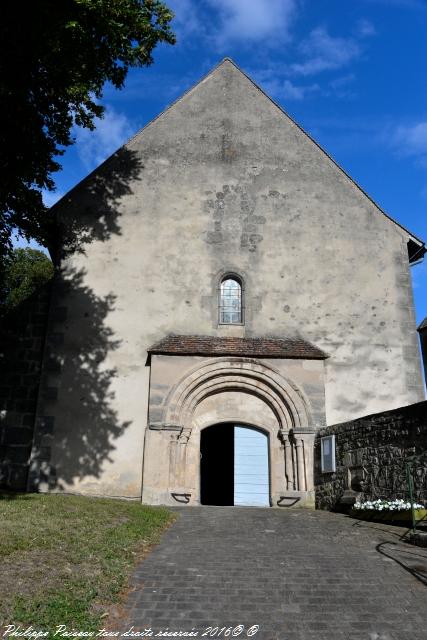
point(65, 559)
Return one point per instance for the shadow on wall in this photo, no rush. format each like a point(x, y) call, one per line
point(76, 419)
point(91, 210)
point(22, 333)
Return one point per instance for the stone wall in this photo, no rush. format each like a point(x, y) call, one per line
point(370, 455)
point(222, 182)
point(22, 336)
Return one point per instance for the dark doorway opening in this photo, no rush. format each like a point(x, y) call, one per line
point(234, 466)
point(217, 465)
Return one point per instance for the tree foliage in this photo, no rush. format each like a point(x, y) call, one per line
point(56, 56)
point(25, 270)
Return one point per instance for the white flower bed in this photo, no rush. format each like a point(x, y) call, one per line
point(386, 505)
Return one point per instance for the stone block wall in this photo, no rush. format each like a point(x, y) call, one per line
point(22, 336)
point(370, 457)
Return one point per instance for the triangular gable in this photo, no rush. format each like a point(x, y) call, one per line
point(416, 246)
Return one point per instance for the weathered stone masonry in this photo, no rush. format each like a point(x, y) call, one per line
point(222, 183)
point(370, 456)
point(22, 336)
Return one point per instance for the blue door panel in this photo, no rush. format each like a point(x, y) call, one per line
point(251, 474)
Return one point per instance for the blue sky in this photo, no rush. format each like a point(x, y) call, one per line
point(351, 72)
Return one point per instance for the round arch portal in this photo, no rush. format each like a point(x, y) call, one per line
point(229, 391)
point(234, 465)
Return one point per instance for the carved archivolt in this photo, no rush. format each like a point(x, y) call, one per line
point(238, 374)
point(290, 449)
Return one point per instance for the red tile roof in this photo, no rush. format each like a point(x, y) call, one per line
point(251, 347)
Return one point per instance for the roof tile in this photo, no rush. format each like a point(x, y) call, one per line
point(251, 347)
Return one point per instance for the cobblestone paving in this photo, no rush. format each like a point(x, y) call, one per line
point(299, 575)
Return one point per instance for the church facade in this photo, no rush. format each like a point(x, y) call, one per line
point(224, 290)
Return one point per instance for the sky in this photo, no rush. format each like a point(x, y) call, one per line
point(351, 73)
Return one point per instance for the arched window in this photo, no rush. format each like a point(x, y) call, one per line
point(230, 301)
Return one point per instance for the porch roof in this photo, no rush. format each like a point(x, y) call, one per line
point(231, 346)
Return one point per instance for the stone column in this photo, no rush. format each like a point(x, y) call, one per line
point(172, 462)
point(289, 470)
point(300, 463)
point(304, 444)
point(181, 459)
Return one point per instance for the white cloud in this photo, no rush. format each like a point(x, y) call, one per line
point(342, 81)
point(93, 147)
point(228, 22)
point(187, 20)
point(291, 91)
point(412, 140)
point(271, 79)
point(365, 28)
point(324, 52)
point(287, 90)
point(342, 87)
point(265, 21)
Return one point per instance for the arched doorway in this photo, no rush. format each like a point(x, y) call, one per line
point(234, 466)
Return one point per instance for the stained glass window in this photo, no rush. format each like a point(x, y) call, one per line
point(230, 311)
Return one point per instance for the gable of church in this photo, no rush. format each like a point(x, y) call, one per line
point(221, 195)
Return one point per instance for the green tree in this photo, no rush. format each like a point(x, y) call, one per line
point(25, 270)
point(55, 57)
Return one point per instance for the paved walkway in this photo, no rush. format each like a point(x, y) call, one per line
point(299, 575)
